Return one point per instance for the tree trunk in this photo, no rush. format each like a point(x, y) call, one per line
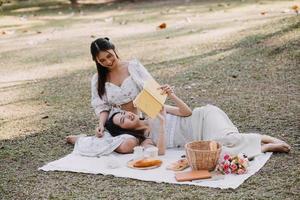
point(74, 3)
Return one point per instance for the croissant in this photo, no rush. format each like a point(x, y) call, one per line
point(148, 162)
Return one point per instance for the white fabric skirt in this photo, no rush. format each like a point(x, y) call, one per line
point(211, 123)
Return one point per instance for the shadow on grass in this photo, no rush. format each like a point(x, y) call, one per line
point(252, 40)
point(249, 42)
point(220, 77)
point(231, 66)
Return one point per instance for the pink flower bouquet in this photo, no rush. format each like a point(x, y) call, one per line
point(233, 164)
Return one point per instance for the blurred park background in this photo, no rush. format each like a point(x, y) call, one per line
point(241, 55)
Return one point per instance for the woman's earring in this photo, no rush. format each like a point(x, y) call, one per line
point(141, 116)
point(97, 61)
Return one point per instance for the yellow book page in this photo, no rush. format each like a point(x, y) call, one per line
point(146, 103)
point(151, 86)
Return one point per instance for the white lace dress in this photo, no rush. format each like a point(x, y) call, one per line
point(92, 146)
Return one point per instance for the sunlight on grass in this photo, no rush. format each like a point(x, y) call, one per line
point(31, 9)
point(20, 119)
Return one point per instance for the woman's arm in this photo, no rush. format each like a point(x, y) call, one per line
point(181, 108)
point(102, 119)
point(147, 143)
point(161, 145)
point(100, 106)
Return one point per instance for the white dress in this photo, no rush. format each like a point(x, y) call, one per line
point(92, 146)
point(207, 123)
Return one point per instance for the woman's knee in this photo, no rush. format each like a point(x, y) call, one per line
point(211, 110)
point(127, 146)
point(210, 107)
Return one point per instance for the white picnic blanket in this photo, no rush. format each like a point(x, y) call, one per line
point(116, 165)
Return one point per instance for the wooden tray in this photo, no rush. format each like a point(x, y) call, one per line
point(131, 162)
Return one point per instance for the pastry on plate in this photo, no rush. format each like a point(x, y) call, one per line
point(147, 162)
point(179, 165)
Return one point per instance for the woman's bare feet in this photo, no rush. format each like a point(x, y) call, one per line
point(273, 144)
point(269, 139)
point(276, 147)
point(71, 139)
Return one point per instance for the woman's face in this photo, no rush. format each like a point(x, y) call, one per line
point(126, 120)
point(107, 58)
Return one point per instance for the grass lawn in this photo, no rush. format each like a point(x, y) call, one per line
point(243, 56)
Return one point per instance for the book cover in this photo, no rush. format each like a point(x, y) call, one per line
point(192, 175)
point(150, 100)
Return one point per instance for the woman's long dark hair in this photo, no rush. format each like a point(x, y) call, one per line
point(101, 44)
point(116, 130)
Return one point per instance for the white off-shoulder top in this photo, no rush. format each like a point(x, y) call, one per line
point(118, 95)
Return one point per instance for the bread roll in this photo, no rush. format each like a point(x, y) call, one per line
point(148, 162)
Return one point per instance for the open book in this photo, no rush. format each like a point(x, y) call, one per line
point(150, 100)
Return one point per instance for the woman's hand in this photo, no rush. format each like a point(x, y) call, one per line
point(166, 89)
point(100, 130)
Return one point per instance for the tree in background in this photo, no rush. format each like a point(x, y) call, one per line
point(74, 2)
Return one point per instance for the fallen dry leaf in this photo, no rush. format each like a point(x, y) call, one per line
point(285, 11)
point(188, 20)
point(162, 26)
point(124, 22)
point(295, 8)
point(109, 19)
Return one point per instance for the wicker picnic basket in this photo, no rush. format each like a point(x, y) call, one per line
point(200, 156)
